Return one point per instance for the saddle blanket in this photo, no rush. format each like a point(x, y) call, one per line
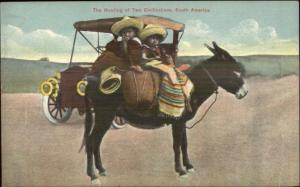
point(173, 97)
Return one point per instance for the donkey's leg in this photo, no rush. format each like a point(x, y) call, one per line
point(185, 157)
point(97, 156)
point(103, 121)
point(90, 162)
point(89, 141)
point(177, 139)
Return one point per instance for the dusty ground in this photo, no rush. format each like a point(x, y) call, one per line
point(254, 141)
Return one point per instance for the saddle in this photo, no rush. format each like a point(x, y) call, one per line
point(140, 91)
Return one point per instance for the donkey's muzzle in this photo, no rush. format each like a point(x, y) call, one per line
point(242, 92)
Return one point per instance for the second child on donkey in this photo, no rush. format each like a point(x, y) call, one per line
point(176, 88)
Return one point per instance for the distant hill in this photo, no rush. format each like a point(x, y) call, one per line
point(19, 75)
point(25, 75)
point(258, 65)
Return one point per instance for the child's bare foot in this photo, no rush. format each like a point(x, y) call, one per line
point(184, 67)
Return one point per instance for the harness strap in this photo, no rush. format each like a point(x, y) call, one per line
point(137, 92)
point(216, 96)
point(144, 81)
point(210, 77)
point(190, 127)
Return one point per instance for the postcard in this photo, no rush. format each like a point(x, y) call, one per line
point(139, 93)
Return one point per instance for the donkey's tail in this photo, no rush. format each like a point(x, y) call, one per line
point(87, 124)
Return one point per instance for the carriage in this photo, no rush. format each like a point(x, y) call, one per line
point(64, 92)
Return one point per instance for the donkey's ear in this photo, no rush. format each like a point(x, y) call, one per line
point(221, 52)
point(217, 48)
point(215, 44)
point(211, 49)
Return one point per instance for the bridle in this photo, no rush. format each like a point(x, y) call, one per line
point(211, 78)
point(216, 86)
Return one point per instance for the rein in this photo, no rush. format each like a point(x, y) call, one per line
point(216, 96)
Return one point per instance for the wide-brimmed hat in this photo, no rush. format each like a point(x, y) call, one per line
point(126, 22)
point(152, 29)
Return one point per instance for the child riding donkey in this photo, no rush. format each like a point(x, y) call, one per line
point(126, 45)
point(175, 88)
point(124, 52)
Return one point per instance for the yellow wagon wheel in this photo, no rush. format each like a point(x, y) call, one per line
point(46, 88)
point(55, 84)
point(80, 87)
point(52, 108)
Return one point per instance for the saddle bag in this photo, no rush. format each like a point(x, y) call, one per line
point(140, 89)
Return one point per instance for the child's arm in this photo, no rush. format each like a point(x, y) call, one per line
point(166, 58)
point(145, 59)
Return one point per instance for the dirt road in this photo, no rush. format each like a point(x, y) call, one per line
point(254, 141)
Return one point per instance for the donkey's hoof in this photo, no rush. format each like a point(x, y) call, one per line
point(96, 182)
point(183, 175)
point(102, 173)
point(191, 170)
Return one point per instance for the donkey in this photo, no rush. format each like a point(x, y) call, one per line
point(221, 70)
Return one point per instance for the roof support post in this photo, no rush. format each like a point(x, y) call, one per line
point(98, 46)
point(89, 42)
point(175, 45)
point(73, 48)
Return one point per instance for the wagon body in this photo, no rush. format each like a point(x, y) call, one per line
point(69, 79)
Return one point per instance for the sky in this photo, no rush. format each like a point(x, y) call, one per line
point(31, 30)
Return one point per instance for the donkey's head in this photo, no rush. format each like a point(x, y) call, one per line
point(227, 72)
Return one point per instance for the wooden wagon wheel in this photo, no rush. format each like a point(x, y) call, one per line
point(53, 110)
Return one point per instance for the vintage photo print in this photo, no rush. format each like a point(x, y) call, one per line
point(141, 93)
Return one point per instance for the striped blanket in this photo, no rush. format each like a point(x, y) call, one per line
point(173, 97)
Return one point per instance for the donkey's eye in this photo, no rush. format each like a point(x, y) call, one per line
point(237, 73)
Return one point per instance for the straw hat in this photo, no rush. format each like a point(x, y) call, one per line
point(151, 29)
point(126, 22)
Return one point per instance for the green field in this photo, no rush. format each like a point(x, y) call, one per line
point(24, 76)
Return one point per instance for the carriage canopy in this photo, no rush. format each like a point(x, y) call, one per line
point(104, 25)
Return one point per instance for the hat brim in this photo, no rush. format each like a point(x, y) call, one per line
point(118, 26)
point(153, 31)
